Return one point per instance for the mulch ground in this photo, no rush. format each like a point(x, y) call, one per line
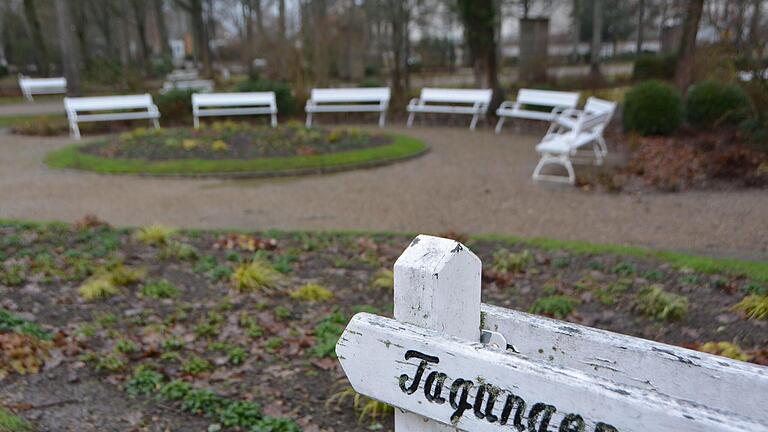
point(271, 345)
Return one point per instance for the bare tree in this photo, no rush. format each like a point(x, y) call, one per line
point(70, 52)
point(399, 17)
point(687, 51)
point(202, 48)
point(139, 8)
point(41, 51)
point(162, 29)
point(597, 39)
point(640, 26)
point(754, 28)
point(480, 19)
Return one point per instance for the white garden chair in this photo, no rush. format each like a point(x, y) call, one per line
point(569, 134)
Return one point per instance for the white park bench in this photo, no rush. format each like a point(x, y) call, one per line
point(451, 101)
point(109, 108)
point(373, 99)
point(448, 362)
point(32, 86)
point(182, 75)
point(191, 85)
point(233, 104)
point(569, 133)
point(556, 101)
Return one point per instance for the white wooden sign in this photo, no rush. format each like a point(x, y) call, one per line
point(440, 365)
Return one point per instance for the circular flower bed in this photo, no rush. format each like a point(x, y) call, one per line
point(235, 149)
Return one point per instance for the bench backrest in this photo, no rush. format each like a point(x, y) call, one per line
point(599, 105)
point(338, 95)
point(548, 98)
point(234, 99)
point(42, 82)
point(446, 95)
point(108, 103)
point(182, 75)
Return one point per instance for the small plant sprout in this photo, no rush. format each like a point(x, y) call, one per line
point(196, 365)
point(655, 302)
point(384, 279)
point(312, 293)
point(160, 289)
point(256, 276)
point(558, 306)
point(144, 382)
point(240, 414)
point(754, 307)
point(366, 408)
point(505, 261)
point(175, 390)
point(155, 235)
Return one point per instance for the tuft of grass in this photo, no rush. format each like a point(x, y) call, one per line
point(659, 304)
point(312, 293)
point(505, 261)
point(371, 409)
point(753, 306)
point(155, 235)
point(10, 422)
point(97, 289)
point(384, 279)
point(256, 276)
point(121, 275)
point(160, 289)
point(175, 390)
point(558, 306)
point(327, 333)
point(725, 349)
point(196, 365)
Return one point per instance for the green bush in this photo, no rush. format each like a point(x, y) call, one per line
point(175, 106)
point(286, 102)
point(652, 66)
point(711, 103)
point(652, 108)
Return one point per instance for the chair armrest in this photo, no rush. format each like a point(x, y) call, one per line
point(414, 102)
point(507, 105)
point(558, 110)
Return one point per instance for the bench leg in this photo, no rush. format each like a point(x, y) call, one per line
point(156, 123)
point(28, 97)
point(309, 119)
point(382, 119)
point(274, 120)
point(500, 124)
point(603, 146)
point(563, 161)
point(410, 119)
point(473, 124)
point(196, 122)
point(74, 130)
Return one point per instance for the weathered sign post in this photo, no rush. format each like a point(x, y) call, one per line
point(449, 363)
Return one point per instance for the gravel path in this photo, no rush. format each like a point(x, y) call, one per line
point(38, 107)
point(470, 182)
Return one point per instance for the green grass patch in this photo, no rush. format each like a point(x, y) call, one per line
point(755, 270)
point(10, 422)
point(402, 147)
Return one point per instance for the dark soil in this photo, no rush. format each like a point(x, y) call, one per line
point(285, 369)
point(230, 140)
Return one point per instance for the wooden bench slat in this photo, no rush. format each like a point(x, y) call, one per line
point(370, 99)
point(234, 104)
point(98, 108)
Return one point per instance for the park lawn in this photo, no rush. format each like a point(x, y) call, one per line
point(402, 147)
point(131, 315)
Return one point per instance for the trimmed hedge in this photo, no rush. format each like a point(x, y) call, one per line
point(711, 103)
point(286, 102)
point(653, 108)
point(652, 66)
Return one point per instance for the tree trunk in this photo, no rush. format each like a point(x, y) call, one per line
point(202, 48)
point(575, 26)
point(257, 8)
point(70, 53)
point(80, 16)
point(248, 49)
point(140, 18)
point(41, 52)
point(162, 29)
point(754, 29)
point(686, 54)
point(640, 26)
point(480, 20)
point(597, 40)
point(398, 14)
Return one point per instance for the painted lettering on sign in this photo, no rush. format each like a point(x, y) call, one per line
point(486, 401)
